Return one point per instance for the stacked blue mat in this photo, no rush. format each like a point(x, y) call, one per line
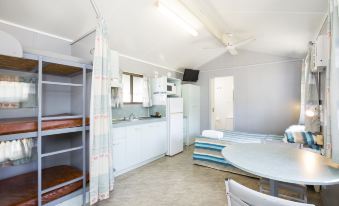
point(208, 150)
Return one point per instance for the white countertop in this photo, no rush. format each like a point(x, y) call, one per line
point(137, 122)
point(282, 163)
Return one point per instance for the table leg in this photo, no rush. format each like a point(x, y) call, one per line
point(273, 188)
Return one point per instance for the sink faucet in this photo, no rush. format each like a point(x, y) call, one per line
point(131, 116)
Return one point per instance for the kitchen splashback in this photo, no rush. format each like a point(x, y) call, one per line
point(137, 110)
point(126, 110)
point(158, 108)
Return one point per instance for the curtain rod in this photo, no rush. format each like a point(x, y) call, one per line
point(98, 15)
point(83, 36)
point(95, 8)
point(322, 26)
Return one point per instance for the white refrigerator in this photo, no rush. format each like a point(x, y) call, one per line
point(191, 95)
point(174, 114)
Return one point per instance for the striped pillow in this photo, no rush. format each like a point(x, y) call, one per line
point(306, 138)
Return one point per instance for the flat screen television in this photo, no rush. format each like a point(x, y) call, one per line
point(190, 75)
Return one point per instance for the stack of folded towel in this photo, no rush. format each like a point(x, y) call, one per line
point(213, 134)
point(16, 151)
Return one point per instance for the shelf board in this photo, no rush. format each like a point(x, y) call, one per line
point(61, 151)
point(18, 136)
point(62, 185)
point(48, 118)
point(67, 197)
point(52, 66)
point(62, 84)
point(61, 70)
point(16, 63)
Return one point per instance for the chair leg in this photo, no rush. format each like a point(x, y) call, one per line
point(317, 188)
point(261, 186)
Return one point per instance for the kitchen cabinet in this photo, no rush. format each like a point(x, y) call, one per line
point(133, 147)
point(154, 140)
point(116, 78)
point(119, 146)
point(136, 145)
point(159, 90)
point(159, 85)
point(321, 52)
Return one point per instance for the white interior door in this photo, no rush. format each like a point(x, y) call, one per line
point(222, 103)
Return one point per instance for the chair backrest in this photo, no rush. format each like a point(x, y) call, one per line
point(239, 195)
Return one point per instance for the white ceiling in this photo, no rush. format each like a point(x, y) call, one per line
point(138, 29)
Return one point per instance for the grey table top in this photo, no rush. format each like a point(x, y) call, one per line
point(282, 163)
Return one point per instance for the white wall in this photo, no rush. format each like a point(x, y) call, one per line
point(33, 40)
point(82, 49)
point(266, 90)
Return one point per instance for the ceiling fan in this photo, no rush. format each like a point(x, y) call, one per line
point(228, 40)
point(231, 44)
point(232, 47)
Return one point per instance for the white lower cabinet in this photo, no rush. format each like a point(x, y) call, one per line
point(136, 144)
point(119, 147)
point(133, 147)
point(153, 140)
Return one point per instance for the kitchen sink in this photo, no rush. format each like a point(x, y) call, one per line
point(142, 118)
point(116, 121)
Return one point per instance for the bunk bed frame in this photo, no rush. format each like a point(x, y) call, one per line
point(43, 64)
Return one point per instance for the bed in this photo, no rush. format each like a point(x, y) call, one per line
point(30, 124)
point(21, 190)
point(207, 151)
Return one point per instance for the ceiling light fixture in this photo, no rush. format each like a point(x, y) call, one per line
point(163, 8)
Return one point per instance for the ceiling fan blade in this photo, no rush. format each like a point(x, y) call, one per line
point(232, 50)
point(243, 42)
point(213, 48)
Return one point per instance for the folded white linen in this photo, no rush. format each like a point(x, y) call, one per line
point(212, 134)
point(296, 128)
point(14, 91)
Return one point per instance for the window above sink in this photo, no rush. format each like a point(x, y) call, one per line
point(132, 88)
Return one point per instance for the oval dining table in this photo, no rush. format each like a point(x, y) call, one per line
point(280, 162)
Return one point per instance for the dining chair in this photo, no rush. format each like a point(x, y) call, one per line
point(239, 195)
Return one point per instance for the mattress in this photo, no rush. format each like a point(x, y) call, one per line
point(21, 190)
point(30, 124)
point(207, 151)
point(57, 56)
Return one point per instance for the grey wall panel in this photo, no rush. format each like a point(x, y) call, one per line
point(7, 172)
point(267, 96)
point(76, 94)
point(56, 99)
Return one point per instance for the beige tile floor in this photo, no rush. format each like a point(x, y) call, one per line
point(175, 181)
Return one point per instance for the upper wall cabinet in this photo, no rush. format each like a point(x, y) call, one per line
point(173, 87)
point(116, 77)
point(159, 90)
point(163, 87)
point(322, 52)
